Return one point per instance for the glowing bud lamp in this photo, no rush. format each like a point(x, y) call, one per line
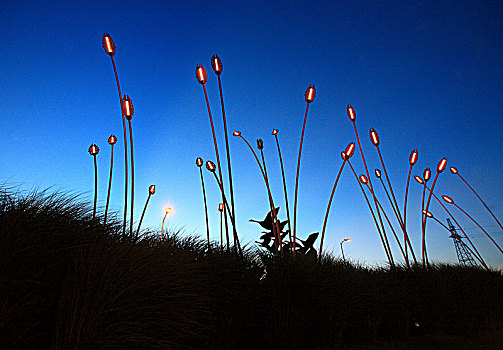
point(351, 113)
point(236, 133)
point(448, 199)
point(128, 107)
point(418, 179)
point(199, 161)
point(201, 74)
point(221, 207)
point(275, 131)
point(454, 170)
point(441, 165)
point(112, 139)
point(413, 157)
point(211, 166)
point(151, 189)
point(426, 174)
point(363, 179)
point(374, 137)
point(93, 149)
point(427, 213)
point(108, 44)
point(378, 173)
point(216, 64)
point(350, 150)
point(310, 94)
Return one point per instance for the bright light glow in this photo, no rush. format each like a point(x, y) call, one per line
point(427, 213)
point(448, 199)
point(211, 166)
point(151, 189)
point(93, 149)
point(378, 173)
point(201, 74)
point(413, 157)
point(128, 107)
point(310, 94)
point(441, 165)
point(199, 161)
point(221, 207)
point(351, 113)
point(348, 239)
point(275, 131)
point(427, 174)
point(236, 133)
point(109, 45)
point(454, 170)
point(374, 137)
point(418, 179)
point(350, 150)
point(363, 179)
point(216, 64)
point(112, 139)
point(168, 210)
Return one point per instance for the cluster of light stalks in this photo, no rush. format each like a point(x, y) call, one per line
point(386, 229)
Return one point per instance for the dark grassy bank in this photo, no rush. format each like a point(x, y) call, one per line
point(66, 282)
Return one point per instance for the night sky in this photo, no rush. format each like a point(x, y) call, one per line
point(425, 75)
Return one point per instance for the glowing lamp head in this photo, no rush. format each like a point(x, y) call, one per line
point(346, 240)
point(216, 64)
point(448, 199)
point(275, 131)
point(93, 149)
point(260, 144)
point(427, 213)
point(128, 107)
point(374, 137)
point(151, 189)
point(413, 157)
point(426, 174)
point(343, 156)
point(378, 173)
point(418, 179)
point(112, 139)
point(199, 161)
point(441, 165)
point(221, 207)
point(363, 179)
point(236, 133)
point(454, 170)
point(168, 210)
point(351, 113)
point(310, 94)
point(211, 166)
point(350, 150)
point(108, 44)
point(201, 74)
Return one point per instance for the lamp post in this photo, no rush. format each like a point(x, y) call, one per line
point(151, 191)
point(342, 250)
point(109, 46)
point(128, 112)
point(111, 141)
point(168, 210)
point(309, 96)
point(94, 150)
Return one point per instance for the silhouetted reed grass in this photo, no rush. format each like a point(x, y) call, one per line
point(67, 281)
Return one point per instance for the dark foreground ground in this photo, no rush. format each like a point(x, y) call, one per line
point(69, 282)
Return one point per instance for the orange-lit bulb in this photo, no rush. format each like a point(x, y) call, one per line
point(351, 113)
point(151, 189)
point(378, 173)
point(168, 210)
point(211, 166)
point(374, 137)
point(201, 74)
point(236, 133)
point(260, 144)
point(112, 139)
point(199, 161)
point(363, 179)
point(348, 239)
point(413, 157)
point(418, 179)
point(128, 107)
point(216, 64)
point(427, 213)
point(454, 170)
point(343, 156)
point(108, 44)
point(441, 165)
point(426, 174)
point(448, 199)
point(275, 131)
point(221, 207)
point(350, 150)
point(93, 149)
point(310, 94)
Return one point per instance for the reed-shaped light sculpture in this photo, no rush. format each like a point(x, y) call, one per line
point(309, 96)
point(221, 210)
point(348, 153)
point(128, 112)
point(94, 150)
point(275, 134)
point(451, 201)
point(111, 141)
point(109, 46)
point(199, 163)
point(168, 210)
point(455, 171)
point(412, 160)
point(151, 191)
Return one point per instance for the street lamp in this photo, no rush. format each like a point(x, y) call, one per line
point(342, 250)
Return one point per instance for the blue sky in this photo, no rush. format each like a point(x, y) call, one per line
point(425, 75)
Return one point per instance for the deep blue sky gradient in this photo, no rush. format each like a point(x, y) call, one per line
point(425, 75)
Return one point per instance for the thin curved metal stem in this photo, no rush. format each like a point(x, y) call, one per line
point(405, 234)
point(425, 254)
point(388, 253)
point(297, 180)
point(143, 214)
point(284, 190)
point(206, 210)
point(221, 234)
point(125, 148)
point(132, 177)
point(95, 185)
point(162, 226)
point(480, 199)
point(109, 184)
point(328, 207)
